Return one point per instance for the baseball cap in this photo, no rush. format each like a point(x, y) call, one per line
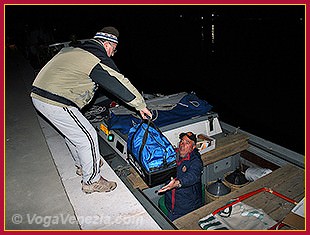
point(190, 135)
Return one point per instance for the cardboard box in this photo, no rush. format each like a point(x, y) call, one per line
point(205, 143)
point(296, 218)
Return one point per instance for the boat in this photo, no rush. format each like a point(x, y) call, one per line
point(231, 148)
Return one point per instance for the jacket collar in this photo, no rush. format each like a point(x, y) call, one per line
point(181, 159)
point(99, 45)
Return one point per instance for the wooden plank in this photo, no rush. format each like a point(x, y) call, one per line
point(226, 146)
point(288, 180)
point(253, 158)
point(135, 179)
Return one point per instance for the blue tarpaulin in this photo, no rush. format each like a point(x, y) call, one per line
point(188, 107)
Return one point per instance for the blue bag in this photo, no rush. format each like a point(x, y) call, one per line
point(189, 106)
point(151, 153)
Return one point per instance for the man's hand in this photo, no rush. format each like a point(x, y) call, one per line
point(174, 183)
point(145, 113)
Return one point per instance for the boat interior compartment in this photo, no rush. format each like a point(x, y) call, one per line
point(235, 152)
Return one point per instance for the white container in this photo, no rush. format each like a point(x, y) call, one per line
point(254, 173)
point(205, 143)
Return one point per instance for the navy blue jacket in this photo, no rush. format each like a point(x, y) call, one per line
point(180, 201)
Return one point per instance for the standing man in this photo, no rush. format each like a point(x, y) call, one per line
point(67, 83)
point(183, 194)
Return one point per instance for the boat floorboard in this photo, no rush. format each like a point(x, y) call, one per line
point(288, 180)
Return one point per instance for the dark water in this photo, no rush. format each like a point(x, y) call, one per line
point(253, 75)
point(253, 72)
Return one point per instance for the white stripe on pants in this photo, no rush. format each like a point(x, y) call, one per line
point(81, 137)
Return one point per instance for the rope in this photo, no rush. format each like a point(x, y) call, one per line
point(95, 113)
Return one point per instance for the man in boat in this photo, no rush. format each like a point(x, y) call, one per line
point(183, 194)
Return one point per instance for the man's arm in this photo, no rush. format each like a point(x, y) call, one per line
point(115, 83)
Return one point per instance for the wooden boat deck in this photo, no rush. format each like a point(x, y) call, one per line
point(288, 180)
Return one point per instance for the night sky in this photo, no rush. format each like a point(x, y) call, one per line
point(253, 72)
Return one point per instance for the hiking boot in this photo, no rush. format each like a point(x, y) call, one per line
point(79, 170)
point(102, 185)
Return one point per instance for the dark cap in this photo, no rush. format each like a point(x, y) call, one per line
point(110, 30)
point(190, 135)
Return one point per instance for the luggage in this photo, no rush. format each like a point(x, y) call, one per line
point(151, 153)
point(166, 110)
